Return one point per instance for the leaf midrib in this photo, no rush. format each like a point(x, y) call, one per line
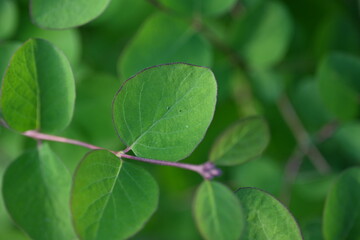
point(213, 206)
point(107, 199)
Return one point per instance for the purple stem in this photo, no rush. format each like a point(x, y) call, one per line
point(43, 136)
point(208, 170)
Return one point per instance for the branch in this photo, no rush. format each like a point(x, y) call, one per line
point(294, 163)
point(207, 170)
point(302, 137)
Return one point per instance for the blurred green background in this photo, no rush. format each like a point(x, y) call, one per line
point(294, 62)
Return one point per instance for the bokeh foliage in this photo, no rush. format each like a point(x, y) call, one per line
point(296, 63)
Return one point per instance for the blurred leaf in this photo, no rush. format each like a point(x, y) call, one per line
point(6, 50)
point(342, 208)
point(93, 114)
point(36, 191)
point(309, 105)
point(115, 18)
point(263, 33)
point(336, 32)
point(164, 111)
point(347, 139)
point(164, 39)
point(8, 18)
point(217, 212)
point(38, 89)
point(268, 85)
point(60, 14)
point(67, 40)
point(312, 230)
point(259, 173)
point(202, 7)
point(243, 141)
point(111, 199)
point(338, 84)
point(266, 218)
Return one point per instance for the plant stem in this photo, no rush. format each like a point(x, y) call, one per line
point(208, 170)
point(43, 136)
point(302, 137)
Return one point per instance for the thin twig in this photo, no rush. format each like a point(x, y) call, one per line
point(294, 163)
point(302, 137)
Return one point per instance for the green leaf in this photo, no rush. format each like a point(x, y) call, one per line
point(8, 18)
point(342, 208)
point(36, 192)
point(243, 141)
point(266, 218)
point(38, 90)
point(338, 84)
point(164, 111)
point(347, 140)
point(263, 34)
point(66, 40)
point(203, 7)
point(164, 39)
point(6, 50)
point(217, 212)
point(111, 199)
point(259, 173)
point(59, 14)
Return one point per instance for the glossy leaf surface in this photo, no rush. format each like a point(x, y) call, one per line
point(111, 199)
point(266, 218)
point(36, 190)
point(217, 212)
point(163, 112)
point(38, 90)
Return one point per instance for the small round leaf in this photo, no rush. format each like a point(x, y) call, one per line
point(36, 192)
point(242, 142)
point(38, 89)
point(217, 212)
point(164, 111)
point(60, 14)
point(266, 218)
point(111, 199)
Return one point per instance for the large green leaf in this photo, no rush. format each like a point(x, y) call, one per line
point(164, 39)
point(36, 192)
point(217, 212)
point(111, 199)
point(60, 14)
point(263, 33)
point(203, 7)
point(38, 90)
point(266, 217)
point(8, 18)
point(163, 112)
point(6, 50)
point(342, 208)
point(243, 141)
point(339, 85)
